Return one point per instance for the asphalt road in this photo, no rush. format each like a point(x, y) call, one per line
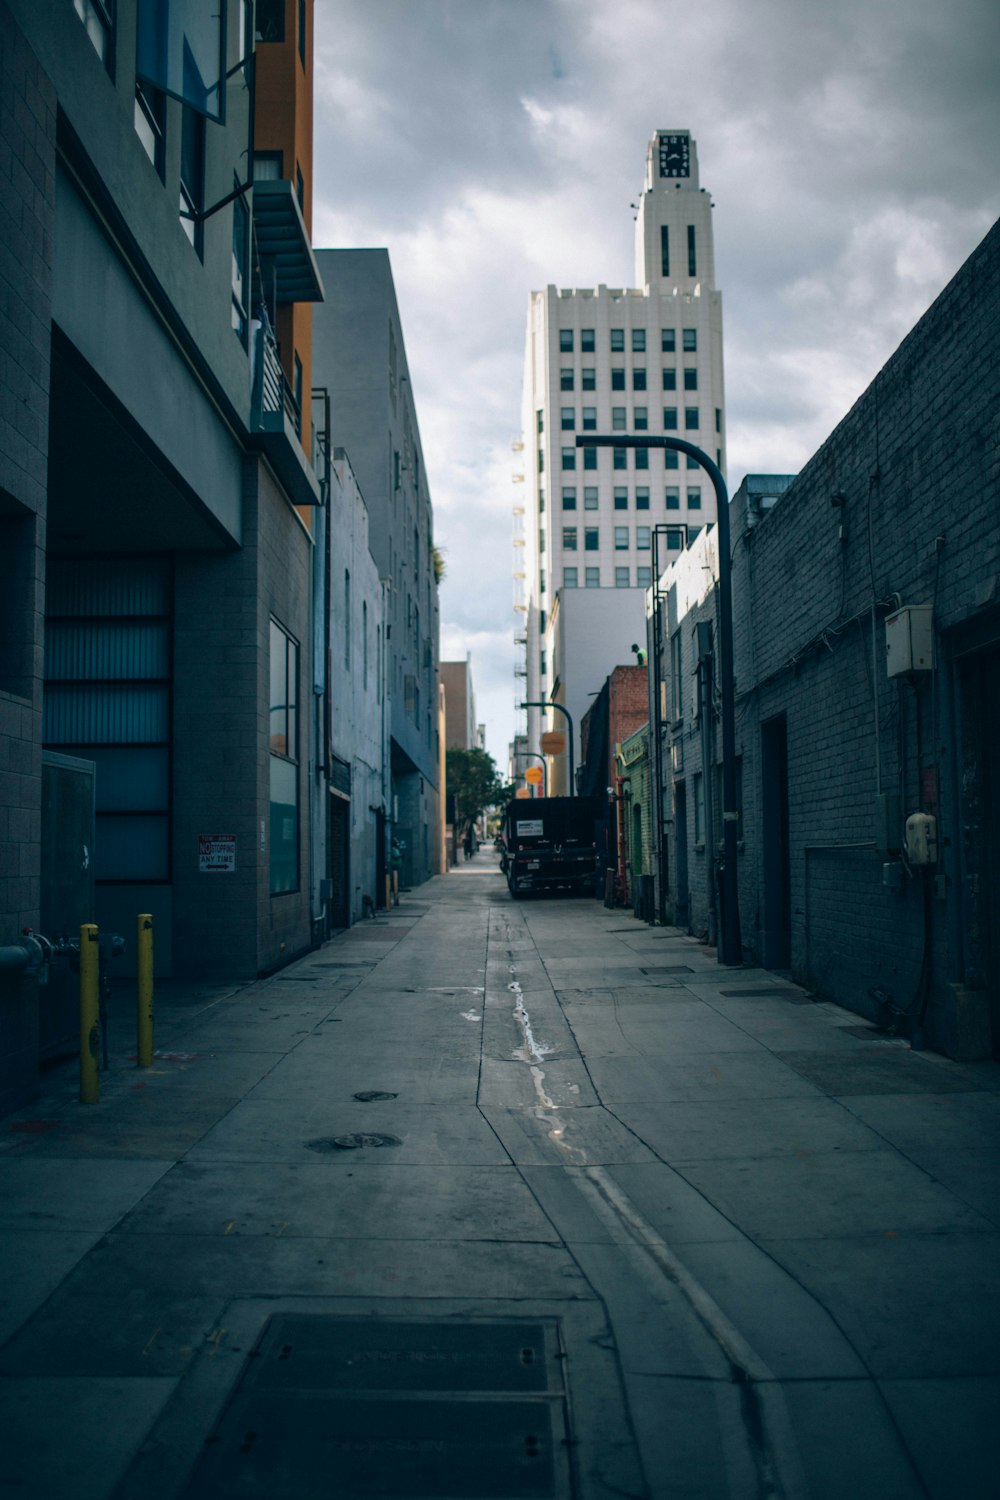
point(490, 1199)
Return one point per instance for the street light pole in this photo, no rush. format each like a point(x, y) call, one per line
point(535, 755)
point(730, 942)
point(569, 716)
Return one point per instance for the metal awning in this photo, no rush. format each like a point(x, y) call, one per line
point(283, 244)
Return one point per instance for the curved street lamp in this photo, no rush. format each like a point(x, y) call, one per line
point(730, 943)
point(569, 716)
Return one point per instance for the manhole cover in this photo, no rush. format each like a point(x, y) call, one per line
point(669, 969)
point(352, 1142)
point(367, 1096)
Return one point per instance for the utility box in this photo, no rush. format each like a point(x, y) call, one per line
point(909, 640)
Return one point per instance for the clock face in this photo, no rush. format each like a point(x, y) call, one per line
point(675, 156)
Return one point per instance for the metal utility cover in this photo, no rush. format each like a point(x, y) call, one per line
point(372, 1407)
point(669, 969)
point(768, 992)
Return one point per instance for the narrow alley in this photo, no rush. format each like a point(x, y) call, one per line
point(488, 1198)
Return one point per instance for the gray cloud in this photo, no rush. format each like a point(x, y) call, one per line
point(495, 145)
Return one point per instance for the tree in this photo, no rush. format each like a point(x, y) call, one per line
point(473, 784)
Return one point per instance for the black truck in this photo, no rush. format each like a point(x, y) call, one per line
point(549, 842)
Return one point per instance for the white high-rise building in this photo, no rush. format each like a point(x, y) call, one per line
point(635, 360)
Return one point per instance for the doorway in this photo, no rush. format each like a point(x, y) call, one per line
point(776, 930)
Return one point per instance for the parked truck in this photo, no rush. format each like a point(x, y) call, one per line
point(549, 843)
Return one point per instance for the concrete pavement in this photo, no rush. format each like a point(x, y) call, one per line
point(495, 1198)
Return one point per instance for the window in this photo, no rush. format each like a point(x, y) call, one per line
point(673, 497)
point(621, 497)
point(619, 458)
point(270, 17)
point(569, 498)
point(96, 17)
point(590, 419)
point(664, 251)
point(617, 380)
point(640, 418)
point(567, 418)
point(675, 541)
point(618, 419)
point(587, 345)
point(718, 419)
point(622, 578)
point(676, 683)
point(541, 541)
point(539, 421)
point(592, 578)
point(639, 378)
point(692, 463)
point(694, 497)
point(284, 777)
point(541, 464)
point(566, 379)
point(588, 380)
point(192, 182)
point(642, 498)
point(690, 418)
point(643, 578)
point(669, 379)
point(542, 664)
point(569, 458)
point(668, 340)
point(698, 784)
point(565, 341)
point(690, 380)
point(642, 458)
point(621, 538)
point(347, 620)
point(638, 340)
point(690, 340)
point(642, 534)
point(241, 246)
point(590, 497)
point(541, 499)
point(541, 621)
point(671, 459)
point(300, 187)
point(670, 418)
point(590, 458)
point(591, 539)
point(692, 254)
point(267, 165)
point(541, 582)
point(569, 538)
point(617, 340)
point(570, 578)
point(364, 644)
point(150, 117)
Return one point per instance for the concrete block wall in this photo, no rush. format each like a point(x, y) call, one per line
point(27, 201)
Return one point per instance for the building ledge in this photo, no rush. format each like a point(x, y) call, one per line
point(287, 259)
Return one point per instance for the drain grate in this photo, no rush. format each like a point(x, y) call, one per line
point(769, 992)
point(398, 1410)
point(668, 969)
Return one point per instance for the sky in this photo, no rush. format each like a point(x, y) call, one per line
point(851, 149)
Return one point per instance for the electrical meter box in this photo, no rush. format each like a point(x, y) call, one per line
point(909, 640)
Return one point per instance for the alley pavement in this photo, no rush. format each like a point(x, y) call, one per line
point(501, 1199)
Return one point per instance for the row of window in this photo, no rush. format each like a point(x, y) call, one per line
point(668, 340)
point(672, 498)
point(620, 414)
point(671, 460)
point(623, 577)
point(640, 379)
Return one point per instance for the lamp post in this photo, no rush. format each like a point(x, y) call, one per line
point(730, 943)
point(569, 716)
point(536, 755)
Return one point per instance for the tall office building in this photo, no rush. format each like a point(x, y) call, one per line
point(636, 360)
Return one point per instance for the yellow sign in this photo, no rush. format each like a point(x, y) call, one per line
point(534, 775)
point(553, 742)
point(522, 791)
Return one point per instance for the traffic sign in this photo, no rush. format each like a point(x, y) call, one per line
point(553, 742)
point(534, 775)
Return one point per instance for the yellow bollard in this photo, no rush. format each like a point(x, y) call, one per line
point(90, 1026)
point(144, 989)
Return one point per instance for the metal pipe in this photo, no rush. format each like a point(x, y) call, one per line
point(730, 943)
point(90, 960)
point(144, 989)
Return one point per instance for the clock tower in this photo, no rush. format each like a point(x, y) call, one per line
point(673, 243)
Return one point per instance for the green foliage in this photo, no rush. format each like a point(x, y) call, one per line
point(473, 780)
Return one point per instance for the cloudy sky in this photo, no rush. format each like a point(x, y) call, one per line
point(494, 146)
